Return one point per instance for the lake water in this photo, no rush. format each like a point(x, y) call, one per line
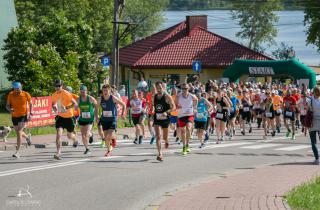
point(290, 30)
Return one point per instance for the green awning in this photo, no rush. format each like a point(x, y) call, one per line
point(274, 68)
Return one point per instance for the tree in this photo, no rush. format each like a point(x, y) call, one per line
point(312, 22)
point(284, 52)
point(257, 21)
point(66, 37)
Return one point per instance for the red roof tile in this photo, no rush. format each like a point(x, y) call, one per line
point(175, 48)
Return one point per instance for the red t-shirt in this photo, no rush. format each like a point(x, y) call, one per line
point(289, 102)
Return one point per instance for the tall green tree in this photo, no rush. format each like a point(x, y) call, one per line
point(284, 52)
point(257, 21)
point(312, 22)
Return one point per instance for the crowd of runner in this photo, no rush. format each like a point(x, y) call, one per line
point(215, 110)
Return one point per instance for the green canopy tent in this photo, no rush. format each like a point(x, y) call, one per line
point(275, 68)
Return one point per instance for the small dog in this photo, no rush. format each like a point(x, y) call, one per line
point(4, 132)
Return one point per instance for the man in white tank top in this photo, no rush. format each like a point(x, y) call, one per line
point(186, 104)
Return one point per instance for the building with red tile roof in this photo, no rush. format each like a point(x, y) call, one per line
point(170, 53)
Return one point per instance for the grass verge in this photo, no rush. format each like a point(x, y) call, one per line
point(306, 196)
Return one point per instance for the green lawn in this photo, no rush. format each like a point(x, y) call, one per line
point(306, 196)
point(5, 120)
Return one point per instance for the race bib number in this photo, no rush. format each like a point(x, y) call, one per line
point(219, 116)
point(303, 112)
point(268, 114)
point(107, 113)
point(289, 114)
point(246, 109)
point(279, 111)
point(160, 116)
point(200, 115)
point(86, 115)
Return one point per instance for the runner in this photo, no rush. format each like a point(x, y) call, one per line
point(223, 106)
point(233, 113)
point(88, 111)
point(269, 115)
point(174, 117)
point(63, 104)
point(76, 112)
point(162, 105)
point(201, 117)
point(19, 104)
point(100, 129)
point(150, 113)
point(136, 105)
point(277, 105)
point(108, 118)
point(186, 104)
point(289, 107)
point(143, 116)
point(303, 105)
point(245, 112)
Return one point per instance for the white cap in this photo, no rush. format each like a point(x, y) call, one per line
point(273, 91)
point(263, 91)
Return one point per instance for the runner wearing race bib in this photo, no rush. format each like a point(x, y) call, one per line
point(150, 113)
point(88, 107)
point(186, 104)
point(222, 107)
point(163, 105)
point(201, 117)
point(232, 113)
point(174, 117)
point(245, 113)
point(277, 107)
point(303, 105)
point(289, 107)
point(269, 115)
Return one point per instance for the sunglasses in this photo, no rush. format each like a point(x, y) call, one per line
point(184, 88)
point(58, 86)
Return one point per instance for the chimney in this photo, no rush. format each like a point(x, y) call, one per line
point(194, 21)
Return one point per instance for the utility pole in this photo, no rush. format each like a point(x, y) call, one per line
point(114, 77)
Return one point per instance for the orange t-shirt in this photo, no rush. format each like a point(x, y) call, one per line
point(277, 102)
point(18, 103)
point(75, 112)
point(174, 113)
point(63, 99)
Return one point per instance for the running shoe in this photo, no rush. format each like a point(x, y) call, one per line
point(243, 133)
point(152, 140)
point(108, 154)
point(273, 133)
point(135, 141)
point(177, 139)
point(278, 129)
point(87, 152)
point(91, 139)
point(28, 139)
point(16, 155)
point(140, 139)
point(202, 146)
point(188, 149)
point(222, 139)
point(250, 130)
point(293, 137)
point(302, 130)
point(114, 143)
point(206, 137)
point(218, 141)
point(166, 145)
point(316, 162)
point(184, 151)
point(57, 157)
point(175, 133)
point(75, 143)
point(288, 134)
point(160, 158)
point(234, 132)
point(103, 144)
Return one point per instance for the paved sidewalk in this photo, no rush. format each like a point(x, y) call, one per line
point(261, 188)
point(49, 139)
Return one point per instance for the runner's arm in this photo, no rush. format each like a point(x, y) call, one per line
point(195, 102)
point(8, 106)
point(96, 107)
point(121, 103)
point(171, 103)
point(210, 107)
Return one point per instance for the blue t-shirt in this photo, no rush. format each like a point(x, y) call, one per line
point(234, 101)
point(202, 111)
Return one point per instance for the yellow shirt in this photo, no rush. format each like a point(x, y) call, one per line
point(18, 103)
point(63, 99)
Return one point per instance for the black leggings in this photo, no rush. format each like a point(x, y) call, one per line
point(313, 138)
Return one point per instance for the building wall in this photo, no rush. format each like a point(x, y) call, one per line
point(159, 74)
point(8, 19)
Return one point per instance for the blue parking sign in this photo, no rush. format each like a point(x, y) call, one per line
point(105, 61)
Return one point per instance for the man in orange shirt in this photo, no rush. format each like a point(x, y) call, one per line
point(18, 103)
point(63, 104)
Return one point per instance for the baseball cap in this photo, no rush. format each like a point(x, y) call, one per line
point(69, 89)
point(83, 88)
point(58, 82)
point(273, 91)
point(16, 85)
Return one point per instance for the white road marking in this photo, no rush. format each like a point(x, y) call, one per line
point(293, 148)
point(260, 146)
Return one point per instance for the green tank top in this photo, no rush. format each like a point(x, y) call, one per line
point(86, 110)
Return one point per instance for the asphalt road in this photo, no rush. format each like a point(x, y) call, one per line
point(132, 178)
